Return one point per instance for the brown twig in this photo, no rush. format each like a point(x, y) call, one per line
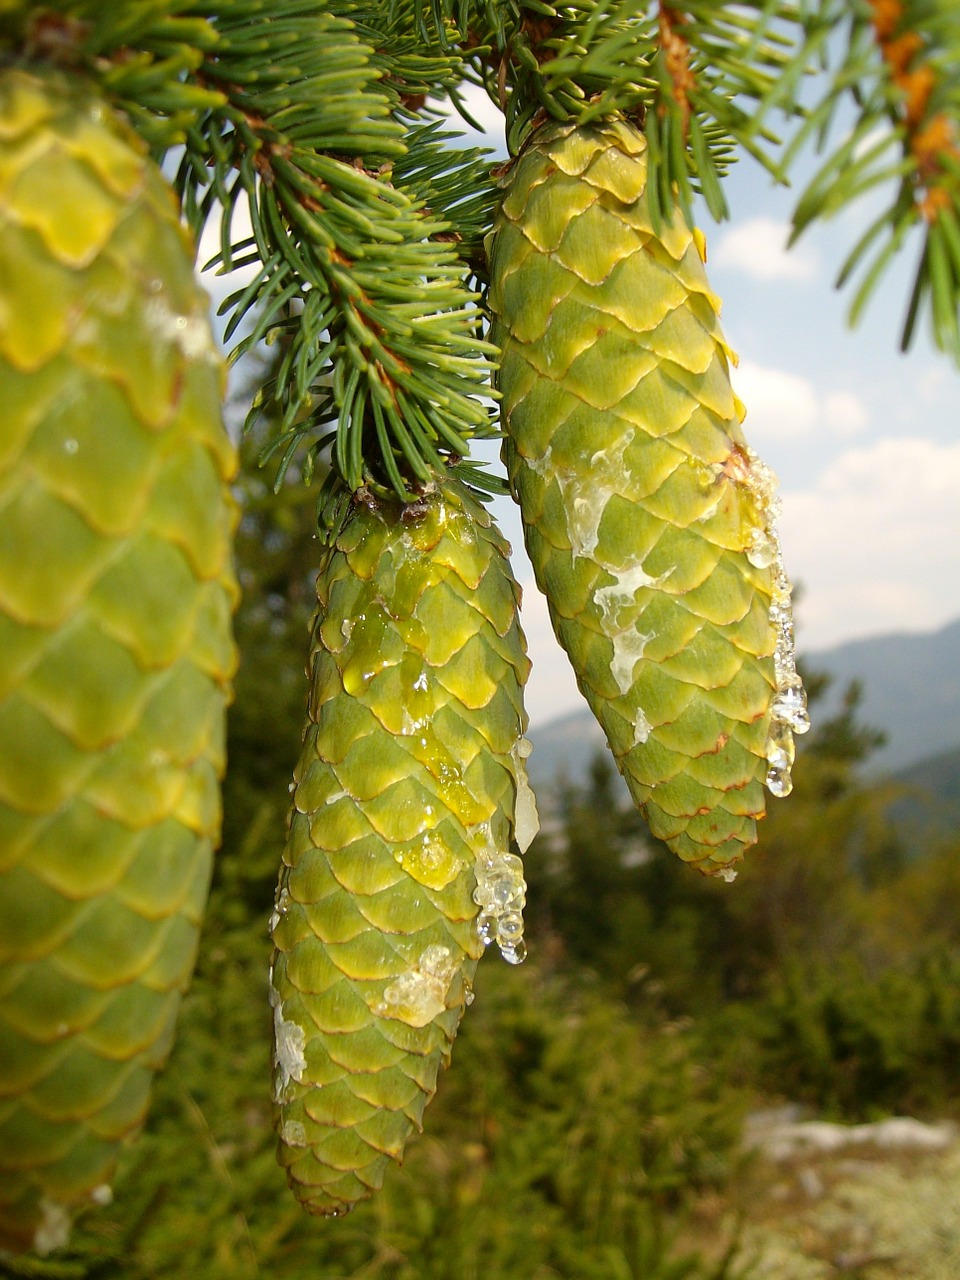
point(676, 52)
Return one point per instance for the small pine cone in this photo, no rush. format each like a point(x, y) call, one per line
point(116, 594)
point(397, 867)
point(648, 519)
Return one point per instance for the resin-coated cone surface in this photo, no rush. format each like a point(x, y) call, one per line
point(648, 519)
point(116, 591)
point(398, 868)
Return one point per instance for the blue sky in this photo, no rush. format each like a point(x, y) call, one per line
point(865, 441)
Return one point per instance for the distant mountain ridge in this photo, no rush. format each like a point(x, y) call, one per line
point(911, 691)
point(931, 802)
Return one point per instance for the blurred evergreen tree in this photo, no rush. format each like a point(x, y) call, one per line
point(617, 905)
point(276, 549)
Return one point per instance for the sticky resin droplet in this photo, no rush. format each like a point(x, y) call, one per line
point(293, 1133)
point(779, 781)
point(420, 995)
point(790, 705)
point(280, 908)
point(487, 928)
point(762, 550)
point(514, 954)
point(642, 728)
point(429, 860)
point(190, 333)
point(53, 1231)
point(526, 819)
point(619, 613)
point(501, 895)
point(290, 1061)
point(780, 752)
point(585, 501)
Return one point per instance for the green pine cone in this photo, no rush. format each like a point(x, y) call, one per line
point(116, 594)
point(649, 521)
point(397, 867)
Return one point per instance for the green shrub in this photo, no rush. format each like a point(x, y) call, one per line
point(850, 1042)
point(566, 1141)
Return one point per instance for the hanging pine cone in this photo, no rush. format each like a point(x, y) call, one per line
point(648, 519)
point(397, 869)
point(116, 591)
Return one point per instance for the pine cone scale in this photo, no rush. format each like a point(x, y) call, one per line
point(641, 502)
point(406, 781)
point(115, 604)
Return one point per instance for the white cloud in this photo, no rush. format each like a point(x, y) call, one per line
point(781, 404)
point(778, 403)
point(758, 248)
point(844, 412)
point(875, 544)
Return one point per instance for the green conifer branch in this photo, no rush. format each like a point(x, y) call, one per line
point(411, 69)
point(383, 333)
point(698, 77)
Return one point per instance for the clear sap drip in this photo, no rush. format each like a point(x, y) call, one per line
point(501, 895)
point(585, 496)
point(628, 647)
point(642, 729)
point(788, 706)
point(526, 819)
point(762, 550)
point(779, 782)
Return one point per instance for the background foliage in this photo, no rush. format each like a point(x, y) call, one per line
point(597, 1094)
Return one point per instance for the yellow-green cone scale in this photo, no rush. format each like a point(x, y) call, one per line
point(647, 518)
point(116, 594)
point(408, 791)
